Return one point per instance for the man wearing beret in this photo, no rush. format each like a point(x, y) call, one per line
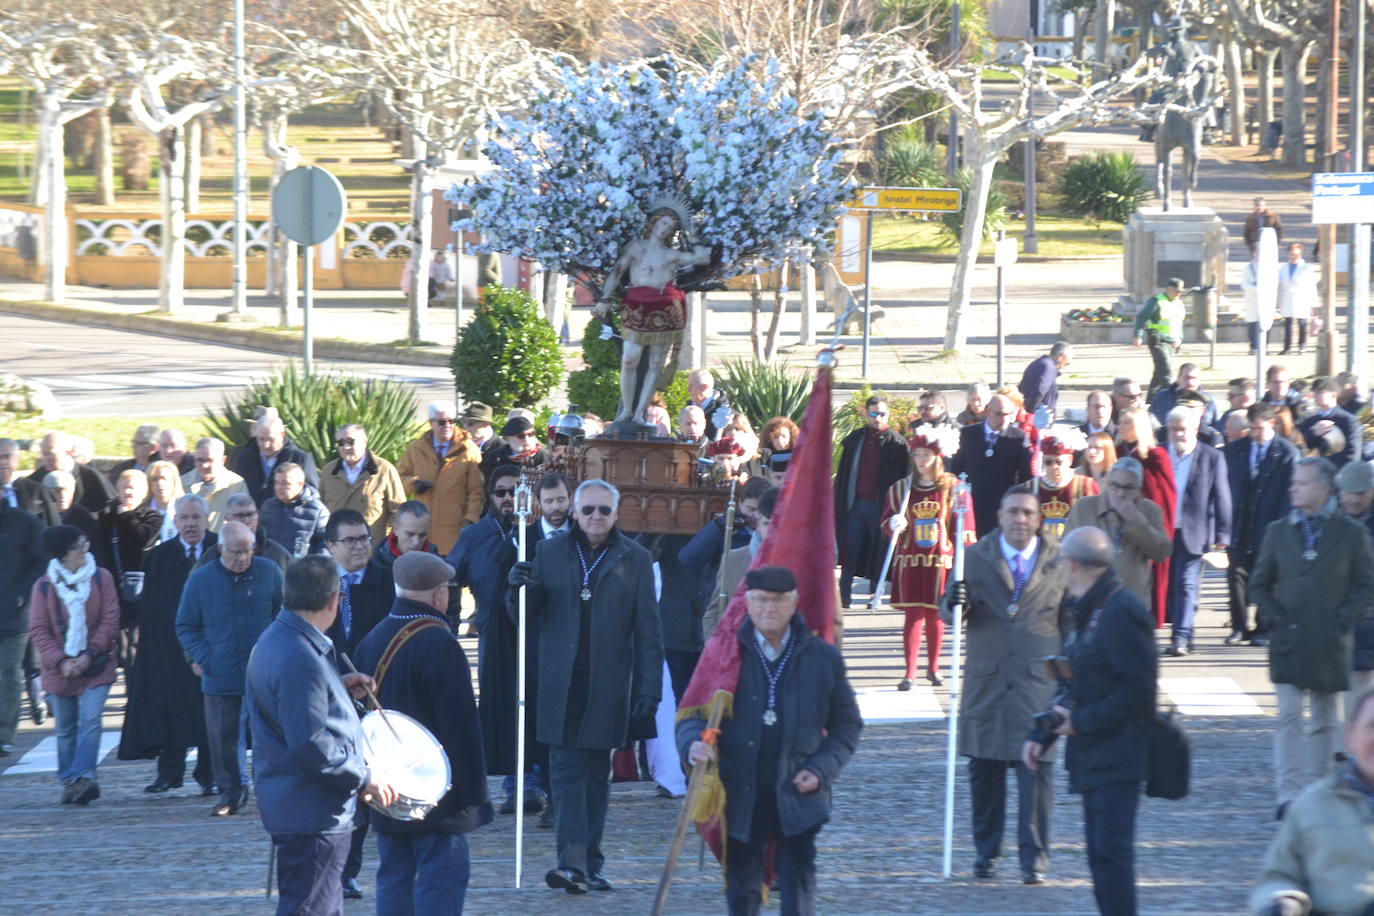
point(795, 724)
point(422, 671)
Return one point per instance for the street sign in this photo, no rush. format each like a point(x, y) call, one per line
point(1343, 197)
point(308, 205)
point(939, 200)
point(1004, 252)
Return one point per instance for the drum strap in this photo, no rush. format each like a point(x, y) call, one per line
point(400, 639)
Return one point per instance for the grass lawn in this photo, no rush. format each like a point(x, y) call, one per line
point(1059, 236)
point(110, 434)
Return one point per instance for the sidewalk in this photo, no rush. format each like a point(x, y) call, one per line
point(905, 348)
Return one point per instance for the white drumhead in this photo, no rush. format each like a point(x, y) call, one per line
point(416, 765)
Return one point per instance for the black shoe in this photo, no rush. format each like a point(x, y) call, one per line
point(208, 788)
point(904, 684)
point(85, 791)
point(228, 805)
point(1283, 809)
point(351, 890)
point(546, 821)
point(534, 802)
point(934, 679)
point(1177, 650)
point(597, 882)
point(160, 785)
point(507, 807)
point(1235, 639)
point(1260, 641)
point(1032, 877)
point(984, 868)
point(568, 879)
point(68, 794)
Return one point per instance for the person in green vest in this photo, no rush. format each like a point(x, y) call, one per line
point(1159, 325)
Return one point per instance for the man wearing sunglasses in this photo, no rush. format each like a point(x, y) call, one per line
point(872, 458)
point(521, 447)
point(362, 481)
point(443, 470)
point(591, 593)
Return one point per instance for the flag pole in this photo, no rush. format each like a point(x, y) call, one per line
point(957, 613)
point(877, 598)
point(523, 499)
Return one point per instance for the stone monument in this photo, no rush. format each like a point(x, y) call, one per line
point(1185, 242)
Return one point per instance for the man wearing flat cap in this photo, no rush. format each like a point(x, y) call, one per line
point(422, 671)
point(1159, 325)
point(795, 724)
point(520, 446)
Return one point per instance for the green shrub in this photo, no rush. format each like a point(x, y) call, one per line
point(852, 414)
point(762, 392)
point(508, 354)
point(907, 161)
point(595, 391)
point(1104, 186)
point(314, 407)
point(952, 224)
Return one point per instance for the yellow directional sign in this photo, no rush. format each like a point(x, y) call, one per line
point(942, 200)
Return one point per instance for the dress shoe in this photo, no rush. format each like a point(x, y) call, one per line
point(208, 788)
point(546, 821)
point(597, 882)
point(67, 794)
point(934, 679)
point(904, 684)
point(984, 868)
point(228, 805)
point(1235, 639)
point(6, 750)
point(1260, 641)
point(351, 890)
point(1032, 877)
point(568, 879)
point(159, 786)
point(507, 806)
point(534, 802)
point(85, 791)
point(1176, 650)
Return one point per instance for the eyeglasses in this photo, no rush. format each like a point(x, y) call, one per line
point(588, 510)
point(503, 491)
point(445, 421)
point(345, 443)
point(361, 540)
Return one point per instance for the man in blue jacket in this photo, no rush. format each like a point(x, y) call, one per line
point(225, 607)
point(307, 743)
point(1040, 382)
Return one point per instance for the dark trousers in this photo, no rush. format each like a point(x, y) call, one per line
point(308, 870)
point(1256, 335)
point(1035, 798)
point(222, 714)
point(581, 792)
point(861, 541)
point(1185, 576)
point(682, 663)
point(1238, 591)
point(796, 864)
point(353, 864)
point(171, 766)
point(421, 873)
point(1109, 827)
point(1162, 352)
point(1288, 333)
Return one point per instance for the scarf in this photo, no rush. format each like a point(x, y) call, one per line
point(74, 588)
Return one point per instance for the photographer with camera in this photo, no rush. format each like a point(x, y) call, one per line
point(1105, 712)
point(1011, 600)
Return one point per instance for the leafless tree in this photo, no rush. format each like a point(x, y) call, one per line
point(1293, 26)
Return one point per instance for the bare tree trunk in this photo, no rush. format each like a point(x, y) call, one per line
point(1265, 59)
point(981, 161)
point(1235, 81)
point(1321, 127)
point(171, 294)
point(421, 208)
point(52, 165)
point(755, 306)
point(807, 274)
point(191, 138)
point(779, 306)
point(1294, 102)
point(207, 134)
point(104, 159)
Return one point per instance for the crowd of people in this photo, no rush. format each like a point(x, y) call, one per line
point(237, 589)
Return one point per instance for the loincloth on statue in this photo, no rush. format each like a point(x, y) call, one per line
point(649, 317)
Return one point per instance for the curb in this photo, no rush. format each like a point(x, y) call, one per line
point(285, 343)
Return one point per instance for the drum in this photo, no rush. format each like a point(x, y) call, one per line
point(404, 753)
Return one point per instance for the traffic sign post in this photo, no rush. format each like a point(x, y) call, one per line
point(894, 200)
point(308, 206)
point(1003, 256)
point(1266, 296)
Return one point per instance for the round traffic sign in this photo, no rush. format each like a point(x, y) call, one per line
point(308, 205)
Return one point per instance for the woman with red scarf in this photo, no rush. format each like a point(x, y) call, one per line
point(924, 518)
point(1135, 438)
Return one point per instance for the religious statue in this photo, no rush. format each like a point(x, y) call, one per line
point(1179, 129)
point(653, 311)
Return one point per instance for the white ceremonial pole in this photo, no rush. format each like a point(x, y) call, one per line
point(877, 598)
point(958, 614)
point(523, 498)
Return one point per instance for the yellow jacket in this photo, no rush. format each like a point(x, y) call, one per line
point(457, 496)
point(376, 494)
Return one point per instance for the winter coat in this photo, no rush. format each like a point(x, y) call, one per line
point(220, 617)
point(48, 619)
point(1257, 501)
point(430, 680)
point(246, 461)
point(457, 495)
point(94, 492)
point(375, 495)
point(307, 743)
point(820, 722)
point(1142, 542)
point(1323, 854)
point(701, 556)
point(34, 499)
point(1006, 683)
point(1311, 607)
point(22, 561)
point(480, 558)
point(626, 651)
point(166, 709)
point(1364, 630)
point(369, 600)
point(225, 485)
point(990, 477)
point(299, 525)
point(262, 547)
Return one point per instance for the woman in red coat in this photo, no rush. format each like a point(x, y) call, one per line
point(73, 623)
point(1135, 439)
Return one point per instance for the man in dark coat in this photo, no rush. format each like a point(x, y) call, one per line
point(1313, 582)
point(519, 446)
point(410, 531)
point(994, 455)
point(795, 724)
point(553, 494)
point(23, 492)
point(592, 593)
point(1202, 520)
point(21, 563)
point(1040, 382)
point(1107, 717)
point(94, 492)
point(701, 556)
point(166, 714)
point(1187, 387)
point(424, 865)
point(258, 459)
point(1325, 413)
point(872, 458)
point(1356, 483)
point(1259, 469)
point(1011, 602)
point(1098, 416)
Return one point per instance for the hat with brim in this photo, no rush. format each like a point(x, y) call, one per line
point(477, 412)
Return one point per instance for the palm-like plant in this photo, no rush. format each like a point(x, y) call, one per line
point(762, 392)
point(1104, 186)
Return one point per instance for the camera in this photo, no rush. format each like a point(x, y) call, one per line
point(1047, 720)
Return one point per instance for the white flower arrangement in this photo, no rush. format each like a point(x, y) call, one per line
point(574, 175)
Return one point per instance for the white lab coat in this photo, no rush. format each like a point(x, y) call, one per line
point(1249, 282)
point(1297, 289)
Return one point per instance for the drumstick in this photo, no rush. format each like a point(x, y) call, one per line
point(371, 696)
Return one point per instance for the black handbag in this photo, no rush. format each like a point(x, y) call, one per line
point(99, 660)
point(1170, 757)
point(131, 582)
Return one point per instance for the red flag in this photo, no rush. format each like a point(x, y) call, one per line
point(801, 538)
